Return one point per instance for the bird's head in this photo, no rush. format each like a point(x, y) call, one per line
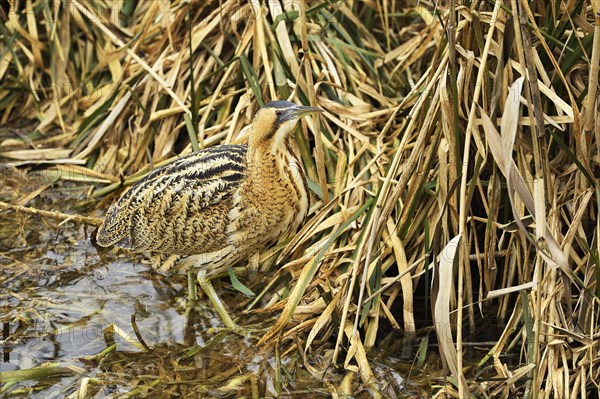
point(275, 122)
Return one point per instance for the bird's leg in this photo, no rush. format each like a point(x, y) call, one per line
point(192, 294)
point(230, 325)
point(207, 287)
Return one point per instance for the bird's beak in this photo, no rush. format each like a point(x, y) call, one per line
point(299, 111)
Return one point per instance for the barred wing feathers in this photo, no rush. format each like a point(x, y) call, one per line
point(179, 208)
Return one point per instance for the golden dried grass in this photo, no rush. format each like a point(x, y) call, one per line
point(406, 157)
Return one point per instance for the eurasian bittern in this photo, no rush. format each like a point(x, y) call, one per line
point(223, 204)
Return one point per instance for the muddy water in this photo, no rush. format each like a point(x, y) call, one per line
point(59, 297)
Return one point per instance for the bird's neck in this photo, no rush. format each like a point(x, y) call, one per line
point(264, 156)
point(269, 172)
point(267, 162)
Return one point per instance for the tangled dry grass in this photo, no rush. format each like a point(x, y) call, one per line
point(459, 145)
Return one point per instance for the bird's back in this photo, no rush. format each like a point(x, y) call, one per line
point(179, 208)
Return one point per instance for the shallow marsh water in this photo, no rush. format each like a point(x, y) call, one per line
point(69, 313)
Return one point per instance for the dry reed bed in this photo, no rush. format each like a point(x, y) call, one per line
point(430, 144)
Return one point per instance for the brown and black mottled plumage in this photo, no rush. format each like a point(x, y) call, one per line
point(222, 204)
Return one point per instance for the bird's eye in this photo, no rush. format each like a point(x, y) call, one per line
point(279, 112)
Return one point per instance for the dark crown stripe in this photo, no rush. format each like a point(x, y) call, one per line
point(279, 104)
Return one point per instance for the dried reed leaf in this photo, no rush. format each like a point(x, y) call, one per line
point(406, 281)
point(323, 319)
point(37, 154)
point(441, 310)
point(510, 171)
point(510, 290)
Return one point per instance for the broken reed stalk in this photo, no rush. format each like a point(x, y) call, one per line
point(51, 214)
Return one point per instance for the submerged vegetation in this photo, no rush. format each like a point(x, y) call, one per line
point(459, 146)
